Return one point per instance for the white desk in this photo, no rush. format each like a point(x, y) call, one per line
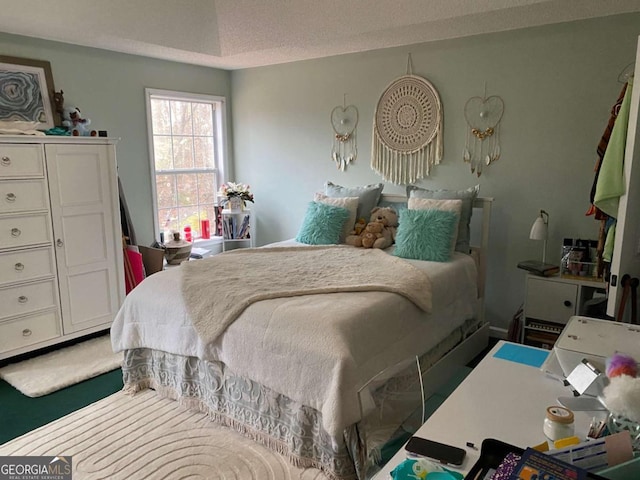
point(500, 399)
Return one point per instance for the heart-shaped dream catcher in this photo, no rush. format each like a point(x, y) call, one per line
point(344, 121)
point(483, 116)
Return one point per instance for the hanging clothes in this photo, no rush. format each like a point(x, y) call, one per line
point(602, 148)
point(611, 185)
point(604, 249)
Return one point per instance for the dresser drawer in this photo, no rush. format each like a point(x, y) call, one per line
point(24, 230)
point(21, 161)
point(23, 195)
point(25, 331)
point(26, 265)
point(550, 301)
point(28, 298)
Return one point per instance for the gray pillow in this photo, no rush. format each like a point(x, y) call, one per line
point(467, 196)
point(368, 196)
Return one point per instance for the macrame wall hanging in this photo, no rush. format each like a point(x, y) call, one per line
point(407, 129)
point(344, 120)
point(483, 117)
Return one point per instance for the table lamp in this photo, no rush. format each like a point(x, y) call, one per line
point(539, 231)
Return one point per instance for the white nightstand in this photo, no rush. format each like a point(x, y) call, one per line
point(550, 302)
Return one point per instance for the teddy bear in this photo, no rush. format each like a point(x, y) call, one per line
point(359, 226)
point(75, 123)
point(380, 232)
point(371, 233)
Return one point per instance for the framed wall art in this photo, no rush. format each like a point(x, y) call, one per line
point(26, 92)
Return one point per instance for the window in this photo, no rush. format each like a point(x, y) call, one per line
point(186, 141)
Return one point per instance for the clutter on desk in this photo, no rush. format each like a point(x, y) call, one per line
point(596, 455)
point(502, 461)
point(622, 396)
point(423, 468)
point(534, 464)
point(600, 358)
point(558, 423)
point(594, 340)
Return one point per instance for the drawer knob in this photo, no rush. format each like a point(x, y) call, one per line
point(15, 232)
point(19, 266)
point(11, 197)
point(6, 161)
point(567, 303)
point(60, 243)
point(26, 332)
point(23, 299)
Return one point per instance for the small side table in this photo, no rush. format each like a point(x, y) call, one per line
point(549, 304)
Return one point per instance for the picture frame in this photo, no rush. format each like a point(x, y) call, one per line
point(26, 92)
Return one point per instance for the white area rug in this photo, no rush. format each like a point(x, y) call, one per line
point(53, 371)
point(149, 437)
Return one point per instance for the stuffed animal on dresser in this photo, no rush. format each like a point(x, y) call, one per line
point(72, 119)
point(380, 232)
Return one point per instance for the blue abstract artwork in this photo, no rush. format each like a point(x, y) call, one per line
point(24, 96)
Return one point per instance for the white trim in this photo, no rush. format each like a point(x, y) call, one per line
point(498, 332)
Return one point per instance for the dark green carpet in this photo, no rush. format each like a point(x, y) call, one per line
point(20, 414)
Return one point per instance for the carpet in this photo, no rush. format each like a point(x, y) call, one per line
point(53, 371)
point(148, 437)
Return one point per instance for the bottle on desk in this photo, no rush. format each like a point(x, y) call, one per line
point(187, 234)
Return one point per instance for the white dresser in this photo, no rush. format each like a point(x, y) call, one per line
point(61, 265)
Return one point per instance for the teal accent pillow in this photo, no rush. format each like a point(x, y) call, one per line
point(425, 234)
point(368, 196)
point(463, 243)
point(322, 224)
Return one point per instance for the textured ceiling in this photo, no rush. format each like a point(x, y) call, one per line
point(232, 34)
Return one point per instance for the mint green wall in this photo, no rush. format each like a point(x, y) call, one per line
point(558, 83)
point(109, 89)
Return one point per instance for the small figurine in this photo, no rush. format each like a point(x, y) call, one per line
point(58, 100)
point(76, 124)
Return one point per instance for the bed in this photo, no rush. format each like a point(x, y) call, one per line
point(304, 373)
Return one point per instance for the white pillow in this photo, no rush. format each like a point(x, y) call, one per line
point(350, 203)
point(455, 206)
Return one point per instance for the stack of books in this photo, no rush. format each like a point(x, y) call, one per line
point(539, 268)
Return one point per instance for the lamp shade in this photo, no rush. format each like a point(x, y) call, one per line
point(539, 230)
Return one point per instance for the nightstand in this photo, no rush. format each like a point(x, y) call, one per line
point(550, 302)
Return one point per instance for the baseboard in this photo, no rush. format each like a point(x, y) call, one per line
point(497, 332)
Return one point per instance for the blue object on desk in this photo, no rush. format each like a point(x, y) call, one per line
point(514, 352)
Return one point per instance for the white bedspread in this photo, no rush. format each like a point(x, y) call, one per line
point(255, 274)
point(346, 338)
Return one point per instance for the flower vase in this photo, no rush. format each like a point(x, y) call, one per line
point(236, 204)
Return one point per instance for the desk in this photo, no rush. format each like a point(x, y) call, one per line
point(501, 399)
